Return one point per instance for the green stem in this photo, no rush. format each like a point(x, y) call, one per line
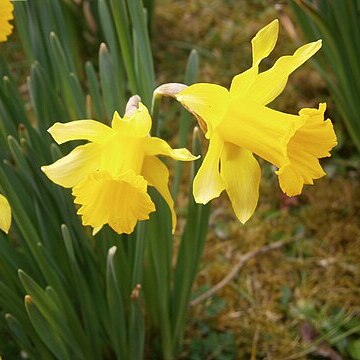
point(136, 328)
point(155, 108)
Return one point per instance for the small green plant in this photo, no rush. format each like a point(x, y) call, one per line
point(330, 328)
point(337, 23)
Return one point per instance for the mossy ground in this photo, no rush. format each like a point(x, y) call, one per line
point(316, 278)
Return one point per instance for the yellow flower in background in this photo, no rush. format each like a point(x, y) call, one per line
point(5, 214)
point(238, 123)
point(110, 174)
point(6, 14)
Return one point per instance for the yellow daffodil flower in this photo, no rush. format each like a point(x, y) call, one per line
point(6, 14)
point(110, 174)
point(238, 123)
point(5, 214)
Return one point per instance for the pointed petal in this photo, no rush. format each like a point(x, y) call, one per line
point(138, 124)
point(208, 184)
point(241, 174)
point(157, 174)
point(207, 101)
point(5, 214)
point(157, 146)
point(90, 130)
point(312, 141)
point(269, 84)
point(120, 201)
point(72, 168)
point(264, 41)
point(241, 83)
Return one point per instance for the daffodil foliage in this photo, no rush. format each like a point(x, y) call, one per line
point(239, 124)
point(109, 176)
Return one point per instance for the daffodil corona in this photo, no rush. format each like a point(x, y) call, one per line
point(6, 14)
point(110, 174)
point(238, 123)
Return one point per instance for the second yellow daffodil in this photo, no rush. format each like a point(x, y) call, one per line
point(109, 176)
point(238, 123)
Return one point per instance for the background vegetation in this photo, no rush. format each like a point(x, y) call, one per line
point(301, 300)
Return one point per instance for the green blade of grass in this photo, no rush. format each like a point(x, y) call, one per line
point(191, 74)
point(118, 331)
point(189, 255)
point(46, 333)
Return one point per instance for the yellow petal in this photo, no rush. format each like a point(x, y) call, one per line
point(6, 14)
point(264, 41)
point(241, 174)
point(119, 201)
point(263, 131)
point(5, 214)
point(241, 83)
point(157, 146)
point(208, 184)
point(207, 101)
point(72, 168)
point(157, 174)
point(312, 141)
point(90, 130)
point(269, 84)
point(138, 124)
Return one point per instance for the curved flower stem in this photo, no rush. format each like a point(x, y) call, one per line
point(155, 106)
point(137, 328)
point(170, 89)
point(188, 257)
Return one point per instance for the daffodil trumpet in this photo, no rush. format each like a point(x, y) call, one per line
point(238, 124)
point(109, 175)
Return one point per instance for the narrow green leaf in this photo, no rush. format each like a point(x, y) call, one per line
point(26, 338)
point(85, 297)
point(145, 71)
point(111, 96)
point(189, 255)
point(19, 333)
point(191, 74)
point(50, 312)
point(46, 333)
point(118, 331)
point(69, 84)
point(136, 318)
point(94, 90)
point(122, 26)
